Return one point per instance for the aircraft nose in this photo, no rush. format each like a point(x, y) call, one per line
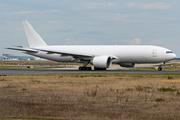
point(173, 56)
point(170, 56)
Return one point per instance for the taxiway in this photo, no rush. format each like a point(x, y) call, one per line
point(57, 70)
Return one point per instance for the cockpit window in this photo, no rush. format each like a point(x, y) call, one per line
point(169, 52)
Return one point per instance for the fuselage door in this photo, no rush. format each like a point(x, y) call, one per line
point(154, 53)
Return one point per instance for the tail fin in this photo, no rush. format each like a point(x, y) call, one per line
point(33, 37)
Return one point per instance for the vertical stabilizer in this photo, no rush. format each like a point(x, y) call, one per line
point(33, 37)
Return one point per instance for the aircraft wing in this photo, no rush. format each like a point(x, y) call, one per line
point(74, 54)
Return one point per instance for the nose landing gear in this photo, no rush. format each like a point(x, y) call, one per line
point(159, 68)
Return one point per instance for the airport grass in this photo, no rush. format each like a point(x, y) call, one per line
point(90, 96)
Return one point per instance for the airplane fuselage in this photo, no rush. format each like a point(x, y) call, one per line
point(124, 53)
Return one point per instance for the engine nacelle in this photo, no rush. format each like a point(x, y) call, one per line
point(127, 64)
point(101, 62)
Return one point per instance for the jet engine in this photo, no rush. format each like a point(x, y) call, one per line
point(101, 62)
point(127, 64)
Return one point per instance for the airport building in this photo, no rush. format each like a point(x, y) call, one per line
point(11, 57)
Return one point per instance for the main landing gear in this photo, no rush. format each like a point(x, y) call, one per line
point(89, 68)
point(85, 68)
point(99, 68)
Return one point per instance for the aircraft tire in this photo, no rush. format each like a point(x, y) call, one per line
point(99, 68)
point(159, 68)
point(88, 68)
point(85, 68)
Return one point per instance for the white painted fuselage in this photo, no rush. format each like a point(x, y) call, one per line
point(124, 53)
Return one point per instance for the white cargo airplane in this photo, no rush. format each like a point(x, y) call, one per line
point(100, 56)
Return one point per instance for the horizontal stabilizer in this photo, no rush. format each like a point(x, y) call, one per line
point(23, 49)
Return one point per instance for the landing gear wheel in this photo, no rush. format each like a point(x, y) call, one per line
point(80, 68)
point(159, 68)
point(85, 68)
point(88, 68)
point(99, 68)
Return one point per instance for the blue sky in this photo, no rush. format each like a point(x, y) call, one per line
point(79, 22)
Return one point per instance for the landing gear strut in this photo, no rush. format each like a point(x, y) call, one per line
point(84, 67)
